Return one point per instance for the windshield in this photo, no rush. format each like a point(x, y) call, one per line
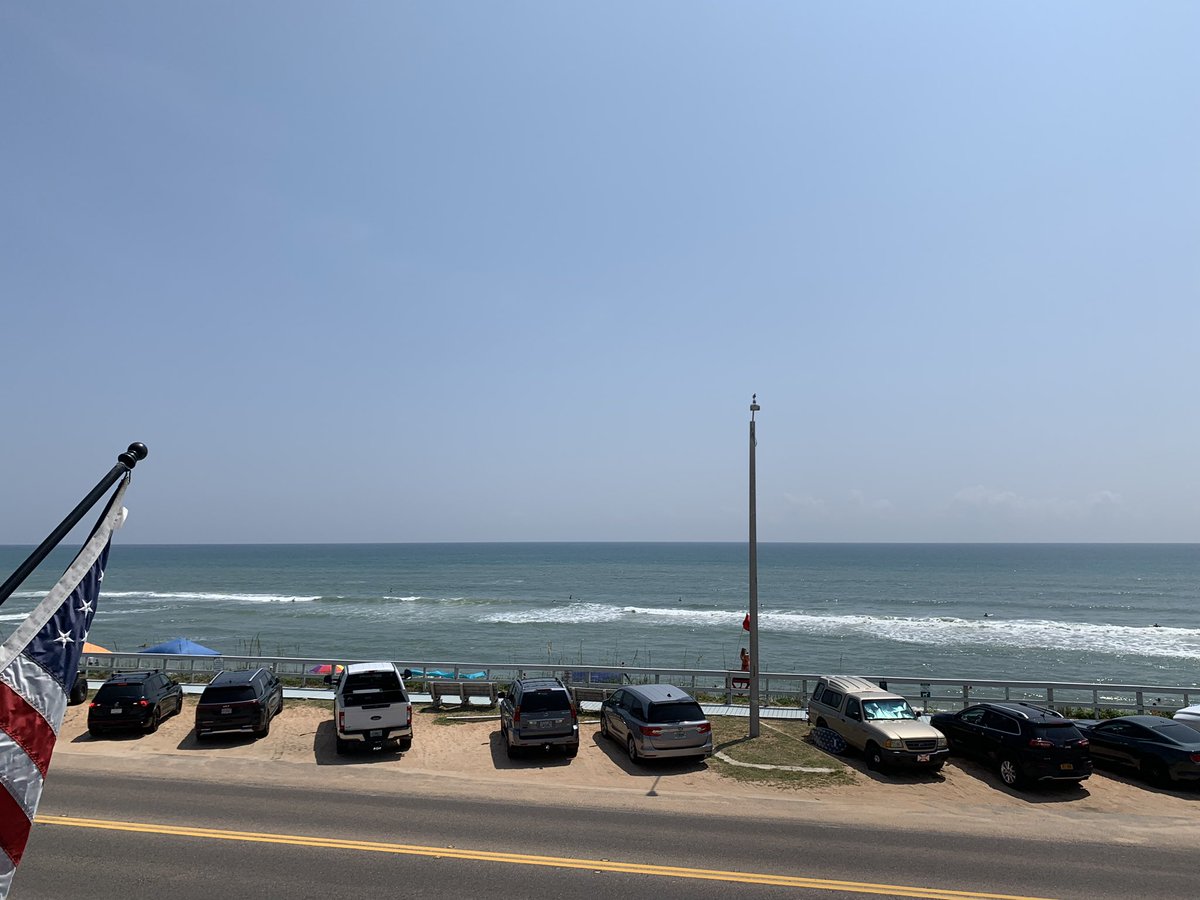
point(888, 709)
point(545, 701)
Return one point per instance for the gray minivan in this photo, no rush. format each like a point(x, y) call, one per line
point(655, 721)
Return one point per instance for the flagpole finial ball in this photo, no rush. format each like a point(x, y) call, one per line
point(130, 457)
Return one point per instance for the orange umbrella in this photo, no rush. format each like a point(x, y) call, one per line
point(89, 647)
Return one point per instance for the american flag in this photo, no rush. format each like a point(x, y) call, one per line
point(38, 663)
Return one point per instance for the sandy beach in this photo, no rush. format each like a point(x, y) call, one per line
point(467, 759)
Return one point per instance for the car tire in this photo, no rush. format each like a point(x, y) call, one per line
point(509, 750)
point(266, 728)
point(404, 745)
point(571, 751)
point(1010, 773)
point(936, 768)
point(1155, 773)
point(340, 746)
point(179, 705)
point(631, 749)
point(96, 732)
point(152, 722)
point(604, 727)
point(874, 756)
point(79, 689)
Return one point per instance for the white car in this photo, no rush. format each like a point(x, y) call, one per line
point(1189, 715)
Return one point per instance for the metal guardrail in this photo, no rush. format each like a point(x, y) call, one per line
point(775, 688)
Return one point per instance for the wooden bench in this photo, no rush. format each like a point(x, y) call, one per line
point(462, 691)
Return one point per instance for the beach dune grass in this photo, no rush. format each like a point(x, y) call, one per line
point(780, 742)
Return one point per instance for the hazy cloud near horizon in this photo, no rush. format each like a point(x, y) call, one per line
point(403, 272)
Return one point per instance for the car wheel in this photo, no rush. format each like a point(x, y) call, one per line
point(571, 751)
point(936, 767)
point(509, 750)
point(604, 726)
point(152, 723)
point(95, 732)
point(179, 705)
point(874, 756)
point(266, 726)
point(1009, 773)
point(342, 747)
point(1155, 772)
point(79, 689)
point(631, 748)
point(404, 745)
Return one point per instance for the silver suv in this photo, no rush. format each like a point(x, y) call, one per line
point(879, 723)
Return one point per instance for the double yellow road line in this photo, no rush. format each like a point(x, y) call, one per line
point(522, 859)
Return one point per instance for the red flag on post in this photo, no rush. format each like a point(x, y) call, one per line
point(746, 622)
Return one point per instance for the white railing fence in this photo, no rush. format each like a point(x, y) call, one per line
point(712, 685)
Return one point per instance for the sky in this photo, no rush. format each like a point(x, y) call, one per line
point(512, 272)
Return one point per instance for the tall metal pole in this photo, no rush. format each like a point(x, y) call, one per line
point(754, 407)
point(125, 462)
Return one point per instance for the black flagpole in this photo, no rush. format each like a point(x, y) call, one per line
point(125, 463)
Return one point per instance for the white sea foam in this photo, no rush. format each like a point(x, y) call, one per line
point(936, 631)
point(206, 597)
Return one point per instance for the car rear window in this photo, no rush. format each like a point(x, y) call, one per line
point(230, 693)
point(1178, 732)
point(114, 691)
point(1058, 733)
point(679, 711)
point(545, 701)
point(373, 687)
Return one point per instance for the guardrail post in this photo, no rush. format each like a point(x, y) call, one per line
point(1095, 703)
point(1141, 706)
point(1049, 696)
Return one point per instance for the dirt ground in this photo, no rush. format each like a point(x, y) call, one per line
point(469, 760)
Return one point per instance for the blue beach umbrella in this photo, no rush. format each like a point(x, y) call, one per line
point(182, 647)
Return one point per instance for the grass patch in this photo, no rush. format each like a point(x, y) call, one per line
point(781, 742)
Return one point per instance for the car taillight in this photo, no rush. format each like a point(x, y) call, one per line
point(516, 715)
point(92, 705)
point(1195, 757)
point(650, 731)
point(143, 703)
point(705, 727)
point(574, 715)
point(408, 714)
point(1084, 743)
point(341, 720)
point(1040, 743)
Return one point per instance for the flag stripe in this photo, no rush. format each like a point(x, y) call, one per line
point(39, 689)
point(19, 775)
point(14, 828)
point(26, 727)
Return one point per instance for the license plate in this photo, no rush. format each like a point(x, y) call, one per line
point(378, 732)
point(116, 710)
point(226, 710)
point(1066, 767)
point(922, 757)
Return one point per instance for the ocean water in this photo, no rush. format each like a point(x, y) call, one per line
point(1083, 612)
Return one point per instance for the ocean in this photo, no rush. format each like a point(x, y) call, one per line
point(1116, 613)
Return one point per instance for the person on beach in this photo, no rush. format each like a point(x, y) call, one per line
point(745, 654)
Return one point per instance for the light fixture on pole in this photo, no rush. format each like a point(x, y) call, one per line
point(754, 407)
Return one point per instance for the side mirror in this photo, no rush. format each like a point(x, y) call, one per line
point(328, 679)
point(500, 695)
point(407, 673)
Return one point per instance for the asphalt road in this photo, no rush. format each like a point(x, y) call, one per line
point(115, 836)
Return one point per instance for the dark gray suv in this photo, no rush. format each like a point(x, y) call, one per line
point(538, 713)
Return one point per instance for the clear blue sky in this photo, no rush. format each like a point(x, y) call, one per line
point(480, 271)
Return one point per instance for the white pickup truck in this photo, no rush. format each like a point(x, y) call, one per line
point(371, 707)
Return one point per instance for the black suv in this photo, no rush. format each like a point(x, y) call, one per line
point(538, 713)
point(239, 701)
point(1024, 742)
point(134, 700)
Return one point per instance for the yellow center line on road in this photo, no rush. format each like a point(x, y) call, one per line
point(521, 859)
